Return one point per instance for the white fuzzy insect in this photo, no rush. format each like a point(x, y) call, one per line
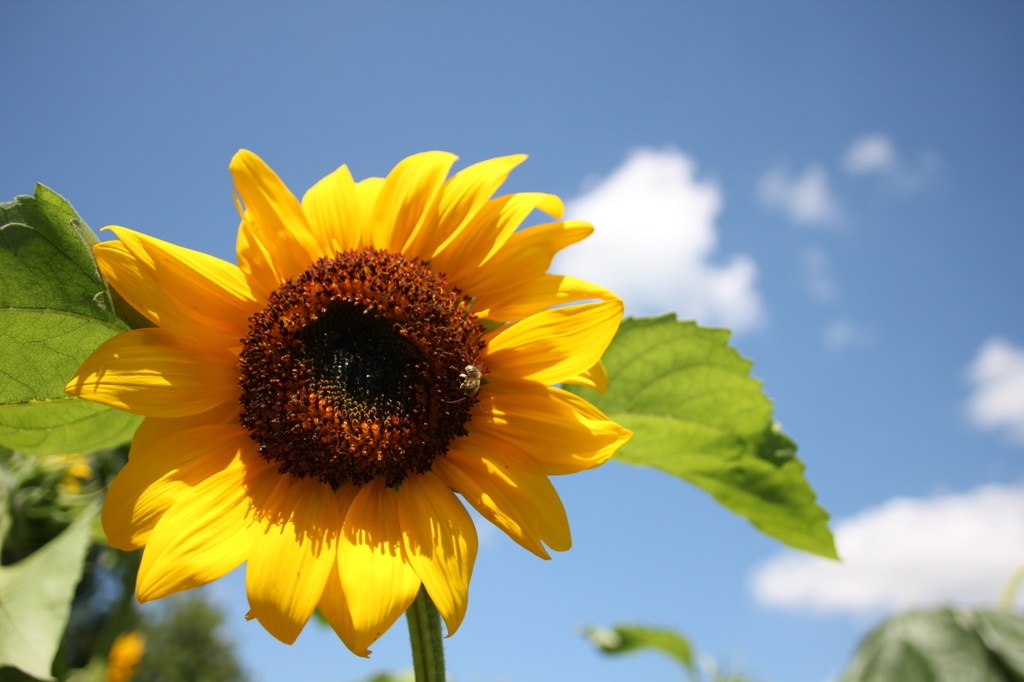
point(471, 377)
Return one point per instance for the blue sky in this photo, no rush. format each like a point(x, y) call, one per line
point(840, 181)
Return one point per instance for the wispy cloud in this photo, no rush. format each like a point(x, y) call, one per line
point(817, 275)
point(907, 552)
point(806, 198)
point(875, 154)
point(843, 333)
point(870, 154)
point(654, 242)
point(997, 379)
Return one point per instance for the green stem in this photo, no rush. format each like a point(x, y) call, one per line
point(1010, 591)
point(425, 633)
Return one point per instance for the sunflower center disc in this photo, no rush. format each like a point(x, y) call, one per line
point(354, 370)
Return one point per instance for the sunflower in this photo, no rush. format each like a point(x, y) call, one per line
point(312, 412)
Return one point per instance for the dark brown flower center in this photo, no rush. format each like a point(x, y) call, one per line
point(356, 369)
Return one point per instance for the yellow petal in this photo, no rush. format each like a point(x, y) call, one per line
point(254, 257)
point(509, 490)
point(481, 236)
point(275, 242)
point(554, 345)
point(402, 205)
point(154, 373)
point(471, 187)
point(334, 608)
point(532, 296)
point(596, 378)
point(340, 211)
point(206, 535)
point(376, 582)
point(332, 604)
point(293, 556)
point(335, 212)
point(368, 190)
point(462, 195)
point(527, 254)
point(440, 543)
point(559, 430)
point(200, 298)
point(168, 458)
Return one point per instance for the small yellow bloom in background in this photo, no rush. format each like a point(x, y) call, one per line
point(312, 411)
point(77, 469)
point(125, 654)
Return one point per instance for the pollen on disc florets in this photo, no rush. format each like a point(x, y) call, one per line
point(352, 370)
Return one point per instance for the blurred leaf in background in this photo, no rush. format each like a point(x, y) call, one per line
point(185, 642)
point(36, 595)
point(944, 645)
point(45, 501)
point(624, 639)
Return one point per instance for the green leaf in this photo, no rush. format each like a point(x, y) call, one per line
point(55, 309)
point(696, 413)
point(64, 426)
point(36, 595)
point(94, 671)
point(626, 638)
point(15, 675)
point(1002, 633)
point(7, 485)
point(942, 646)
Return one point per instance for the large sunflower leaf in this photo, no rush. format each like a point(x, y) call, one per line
point(942, 646)
point(35, 599)
point(55, 309)
point(696, 413)
point(60, 426)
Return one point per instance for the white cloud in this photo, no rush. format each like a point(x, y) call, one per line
point(806, 198)
point(871, 154)
point(817, 275)
point(957, 548)
point(655, 235)
point(997, 377)
point(844, 334)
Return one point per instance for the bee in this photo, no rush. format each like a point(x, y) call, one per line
point(471, 377)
